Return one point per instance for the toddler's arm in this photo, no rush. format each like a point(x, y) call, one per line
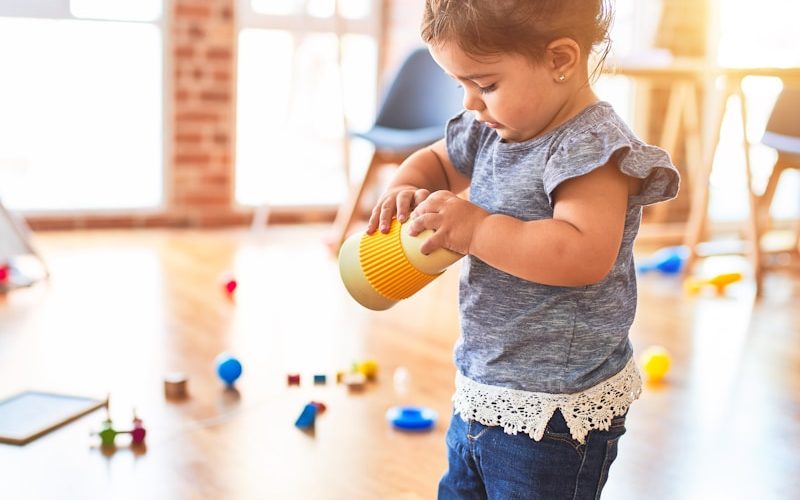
point(422, 173)
point(578, 246)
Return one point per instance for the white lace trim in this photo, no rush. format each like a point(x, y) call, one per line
point(528, 412)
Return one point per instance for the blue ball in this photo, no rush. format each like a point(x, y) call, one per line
point(228, 368)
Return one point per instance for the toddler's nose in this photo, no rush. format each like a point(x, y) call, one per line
point(472, 102)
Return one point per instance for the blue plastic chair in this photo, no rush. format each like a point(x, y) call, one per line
point(783, 134)
point(415, 108)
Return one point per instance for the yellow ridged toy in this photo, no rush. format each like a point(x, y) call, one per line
point(381, 269)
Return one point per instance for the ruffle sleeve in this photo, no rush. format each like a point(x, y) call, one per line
point(583, 151)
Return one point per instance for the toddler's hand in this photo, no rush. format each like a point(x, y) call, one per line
point(453, 219)
point(398, 201)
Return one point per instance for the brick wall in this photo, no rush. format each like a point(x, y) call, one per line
point(201, 184)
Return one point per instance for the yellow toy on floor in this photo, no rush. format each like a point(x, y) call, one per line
point(380, 269)
point(655, 362)
point(719, 281)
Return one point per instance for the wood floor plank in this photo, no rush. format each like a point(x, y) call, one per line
point(125, 308)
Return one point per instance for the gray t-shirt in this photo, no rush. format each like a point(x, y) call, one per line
point(540, 338)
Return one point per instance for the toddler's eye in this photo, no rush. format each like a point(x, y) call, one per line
point(487, 89)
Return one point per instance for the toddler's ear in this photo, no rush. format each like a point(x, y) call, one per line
point(563, 56)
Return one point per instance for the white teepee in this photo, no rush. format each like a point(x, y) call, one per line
point(14, 244)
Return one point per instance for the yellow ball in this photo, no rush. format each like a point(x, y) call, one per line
point(369, 368)
point(655, 362)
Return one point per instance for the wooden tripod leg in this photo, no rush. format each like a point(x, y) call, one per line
point(765, 200)
point(754, 229)
point(670, 134)
point(349, 209)
point(698, 209)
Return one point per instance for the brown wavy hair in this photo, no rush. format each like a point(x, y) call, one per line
point(526, 27)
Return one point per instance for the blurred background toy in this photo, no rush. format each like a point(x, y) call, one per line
point(175, 386)
point(401, 379)
point(355, 381)
point(229, 368)
point(411, 418)
point(368, 367)
point(719, 281)
point(308, 416)
point(668, 260)
point(228, 282)
point(655, 362)
point(108, 433)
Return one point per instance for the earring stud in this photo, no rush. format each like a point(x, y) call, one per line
point(562, 77)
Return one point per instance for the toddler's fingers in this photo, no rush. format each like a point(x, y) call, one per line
point(428, 246)
point(374, 218)
point(420, 222)
point(404, 199)
point(387, 212)
point(425, 207)
point(432, 243)
point(420, 195)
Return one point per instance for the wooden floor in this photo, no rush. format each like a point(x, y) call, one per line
point(124, 308)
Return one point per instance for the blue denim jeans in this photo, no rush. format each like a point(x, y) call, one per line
point(486, 463)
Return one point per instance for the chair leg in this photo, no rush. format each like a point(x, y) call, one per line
point(349, 209)
point(765, 200)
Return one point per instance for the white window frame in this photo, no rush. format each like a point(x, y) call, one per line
point(304, 23)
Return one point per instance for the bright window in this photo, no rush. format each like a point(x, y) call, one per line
point(81, 100)
point(632, 32)
point(300, 85)
point(119, 10)
point(760, 34)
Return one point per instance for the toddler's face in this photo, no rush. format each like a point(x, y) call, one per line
point(507, 92)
